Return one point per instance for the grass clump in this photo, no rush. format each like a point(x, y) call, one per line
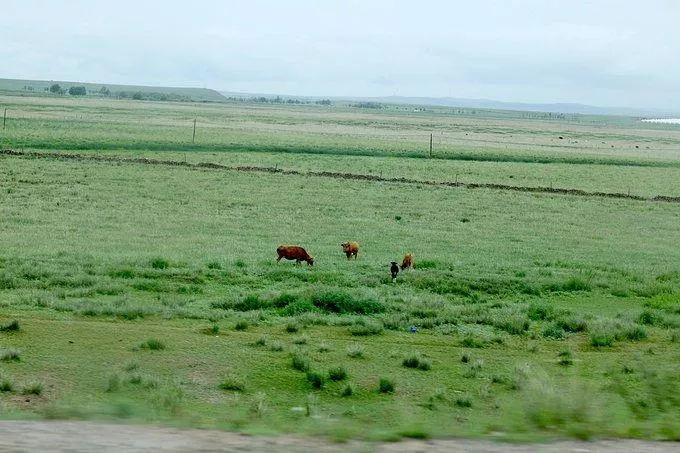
point(601, 339)
point(347, 391)
point(317, 380)
point(417, 361)
point(152, 344)
point(160, 263)
point(13, 326)
point(232, 383)
point(292, 327)
point(212, 330)
point(276, 346)
point(385, 385)
point(250, 303)
point(463, 401)
point(301, 362)
point(337, 374)
point(365, 328)
point(10, 355)
point(6, 385)
point(565, 358)
point(345, 303)
point(241, 325)
point(33, 388)
point(355, 351)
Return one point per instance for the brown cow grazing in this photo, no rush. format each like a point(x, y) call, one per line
point(294, 252)
point(407, 262)
point(350, 248)
point(394, 269)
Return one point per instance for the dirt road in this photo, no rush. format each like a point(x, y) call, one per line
point(77, 437)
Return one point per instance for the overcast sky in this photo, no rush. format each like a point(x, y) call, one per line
point(598, 52)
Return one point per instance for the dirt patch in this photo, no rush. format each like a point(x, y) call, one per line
point(77, 437)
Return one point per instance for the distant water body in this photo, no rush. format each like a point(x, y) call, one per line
point(663, 120)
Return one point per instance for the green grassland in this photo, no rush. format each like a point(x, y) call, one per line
point(145, 292)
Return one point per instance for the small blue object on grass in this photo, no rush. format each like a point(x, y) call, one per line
point(413, 329)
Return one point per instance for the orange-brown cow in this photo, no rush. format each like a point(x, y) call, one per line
point(294, 252)
point(407, 262)
point(350, 248)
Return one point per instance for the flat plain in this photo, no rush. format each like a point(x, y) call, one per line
point(143, 287)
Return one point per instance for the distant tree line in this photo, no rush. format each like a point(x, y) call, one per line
point(367, 105)
point(277, 100)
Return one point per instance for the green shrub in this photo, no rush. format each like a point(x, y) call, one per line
point(425, 264)
point(463, 401)
point(347, 391)
point(13, 326)
point(298, 307)
point(160, 263)
point(472, 342)
point(214, 265)
point(575, 284)
point(541, 312)
point(601, 339)
point(385, 385)
point(344, 303)
point(650, 318)
point(241, 325)
point(292, 327)
point(554, 331)
point(250, 303)
point(317, 380)
point(301, 362)
point(572, 324)
point(337, 374)
point(417, 361)
point(284, 299)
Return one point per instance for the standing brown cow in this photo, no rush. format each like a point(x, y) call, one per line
point(407, 262)
point(294, 252)
point(350, 248)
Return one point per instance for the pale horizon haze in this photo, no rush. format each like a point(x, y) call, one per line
point(603, 53)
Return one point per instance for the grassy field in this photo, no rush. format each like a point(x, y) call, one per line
point(146, 292)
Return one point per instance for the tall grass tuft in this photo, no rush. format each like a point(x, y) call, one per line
point(417, 361)
point(301, 362)
point(152, 344)
point(385, 385)
point(232, 383)
point(10, 355)
point(337, 374)
point(13, 326)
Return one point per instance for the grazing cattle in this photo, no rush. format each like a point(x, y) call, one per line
point(394, 269)
point(350, 248)
point(407, 262)
point(294, 252)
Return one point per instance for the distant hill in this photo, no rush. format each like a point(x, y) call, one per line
point(149, 92)
point(520, 106)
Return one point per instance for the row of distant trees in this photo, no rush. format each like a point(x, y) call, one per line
point(277, 100)
point(55, 88)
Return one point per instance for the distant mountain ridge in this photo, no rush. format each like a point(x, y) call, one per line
point(521, 106)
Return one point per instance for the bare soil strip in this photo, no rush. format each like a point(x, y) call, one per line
point(337, 175)
point(77, 437)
